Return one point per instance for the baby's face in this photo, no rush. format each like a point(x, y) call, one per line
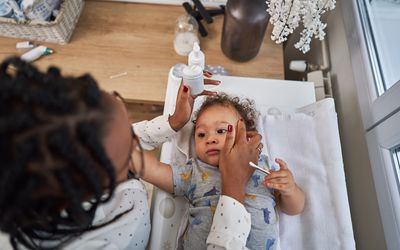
point(210, 132)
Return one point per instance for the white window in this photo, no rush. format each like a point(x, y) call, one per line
point(373, 34)
point(396, 164)
point(381, 21)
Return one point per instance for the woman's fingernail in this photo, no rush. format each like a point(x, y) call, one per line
point(230, 128)
point(185, 89)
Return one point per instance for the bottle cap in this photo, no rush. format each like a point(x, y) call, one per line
point(196, 57)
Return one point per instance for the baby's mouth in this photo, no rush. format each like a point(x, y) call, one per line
point(212, 152)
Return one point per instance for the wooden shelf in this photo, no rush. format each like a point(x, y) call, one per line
point(113, 37)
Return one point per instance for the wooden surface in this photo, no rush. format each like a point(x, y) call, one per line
point(111, 38)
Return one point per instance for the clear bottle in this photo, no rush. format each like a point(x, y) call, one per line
point(244, 28)
point(186, 30)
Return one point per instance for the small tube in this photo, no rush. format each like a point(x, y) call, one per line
point(36, 53)
point(24, 45)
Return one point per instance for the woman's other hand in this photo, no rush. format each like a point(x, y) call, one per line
point(185, 101)
point(240, 148)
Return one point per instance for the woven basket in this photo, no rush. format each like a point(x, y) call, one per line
point(57, 31)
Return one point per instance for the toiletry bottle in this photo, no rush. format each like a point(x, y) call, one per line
point(36, 53)
point(196, 57)
point(194, 79)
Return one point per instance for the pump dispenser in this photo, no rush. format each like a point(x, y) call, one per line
point(196, 57)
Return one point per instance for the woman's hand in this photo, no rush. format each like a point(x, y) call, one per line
point(234, 160)
point(185, 101)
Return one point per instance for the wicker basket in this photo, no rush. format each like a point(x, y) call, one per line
point(57, 31)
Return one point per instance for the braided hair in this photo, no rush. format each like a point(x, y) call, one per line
point(51, 154)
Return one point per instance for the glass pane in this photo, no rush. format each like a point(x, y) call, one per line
point(381, 22)
point(396, 163)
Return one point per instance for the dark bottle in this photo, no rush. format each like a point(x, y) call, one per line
point(244, 27)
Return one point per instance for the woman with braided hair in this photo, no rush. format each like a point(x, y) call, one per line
point(66, 150)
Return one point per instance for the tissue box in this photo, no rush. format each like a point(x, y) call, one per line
point(57, 31)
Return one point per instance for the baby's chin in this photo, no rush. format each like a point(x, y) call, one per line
point(214, 161)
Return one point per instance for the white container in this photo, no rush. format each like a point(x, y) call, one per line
point(196, 57)
point(36, 53)
point(194, 79)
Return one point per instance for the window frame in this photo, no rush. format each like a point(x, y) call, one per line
point(380, 115)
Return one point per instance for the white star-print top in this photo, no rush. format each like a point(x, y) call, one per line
point(130, 231)
point(225, 232)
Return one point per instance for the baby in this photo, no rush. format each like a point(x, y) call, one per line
point(199, 179)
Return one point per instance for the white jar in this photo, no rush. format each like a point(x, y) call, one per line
point(194, 79)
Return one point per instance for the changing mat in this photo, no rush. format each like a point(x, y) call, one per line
point(308, 140)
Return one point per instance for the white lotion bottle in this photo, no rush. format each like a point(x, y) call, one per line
point(194, 79)
point(35, 53)
point(196, 56)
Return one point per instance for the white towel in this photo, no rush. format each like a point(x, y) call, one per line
point(309, 142)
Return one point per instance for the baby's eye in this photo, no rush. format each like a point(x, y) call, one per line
point(201, 134)
point(221, 131)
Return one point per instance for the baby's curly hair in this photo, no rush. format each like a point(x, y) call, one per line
point(244, 107)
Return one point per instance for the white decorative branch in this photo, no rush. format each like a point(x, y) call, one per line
point(286, 16)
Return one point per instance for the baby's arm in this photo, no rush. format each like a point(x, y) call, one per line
point(291, 198)
point(155, 172)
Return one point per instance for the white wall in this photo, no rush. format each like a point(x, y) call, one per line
point(368, 231)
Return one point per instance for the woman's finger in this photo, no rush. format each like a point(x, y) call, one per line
point(229, 140)
point(254, 141)
point(240, 132)
point(207, 73)
point(212, 82)
point(207, 92)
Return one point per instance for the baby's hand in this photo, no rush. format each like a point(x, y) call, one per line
point(281, 180)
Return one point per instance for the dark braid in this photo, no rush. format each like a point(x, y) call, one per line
point(51, 154)
point(244, 107)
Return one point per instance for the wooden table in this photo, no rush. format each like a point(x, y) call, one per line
point(111, 38)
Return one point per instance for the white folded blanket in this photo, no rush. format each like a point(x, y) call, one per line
point(309, 142)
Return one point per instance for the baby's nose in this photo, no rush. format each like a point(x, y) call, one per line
point(212, 140)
